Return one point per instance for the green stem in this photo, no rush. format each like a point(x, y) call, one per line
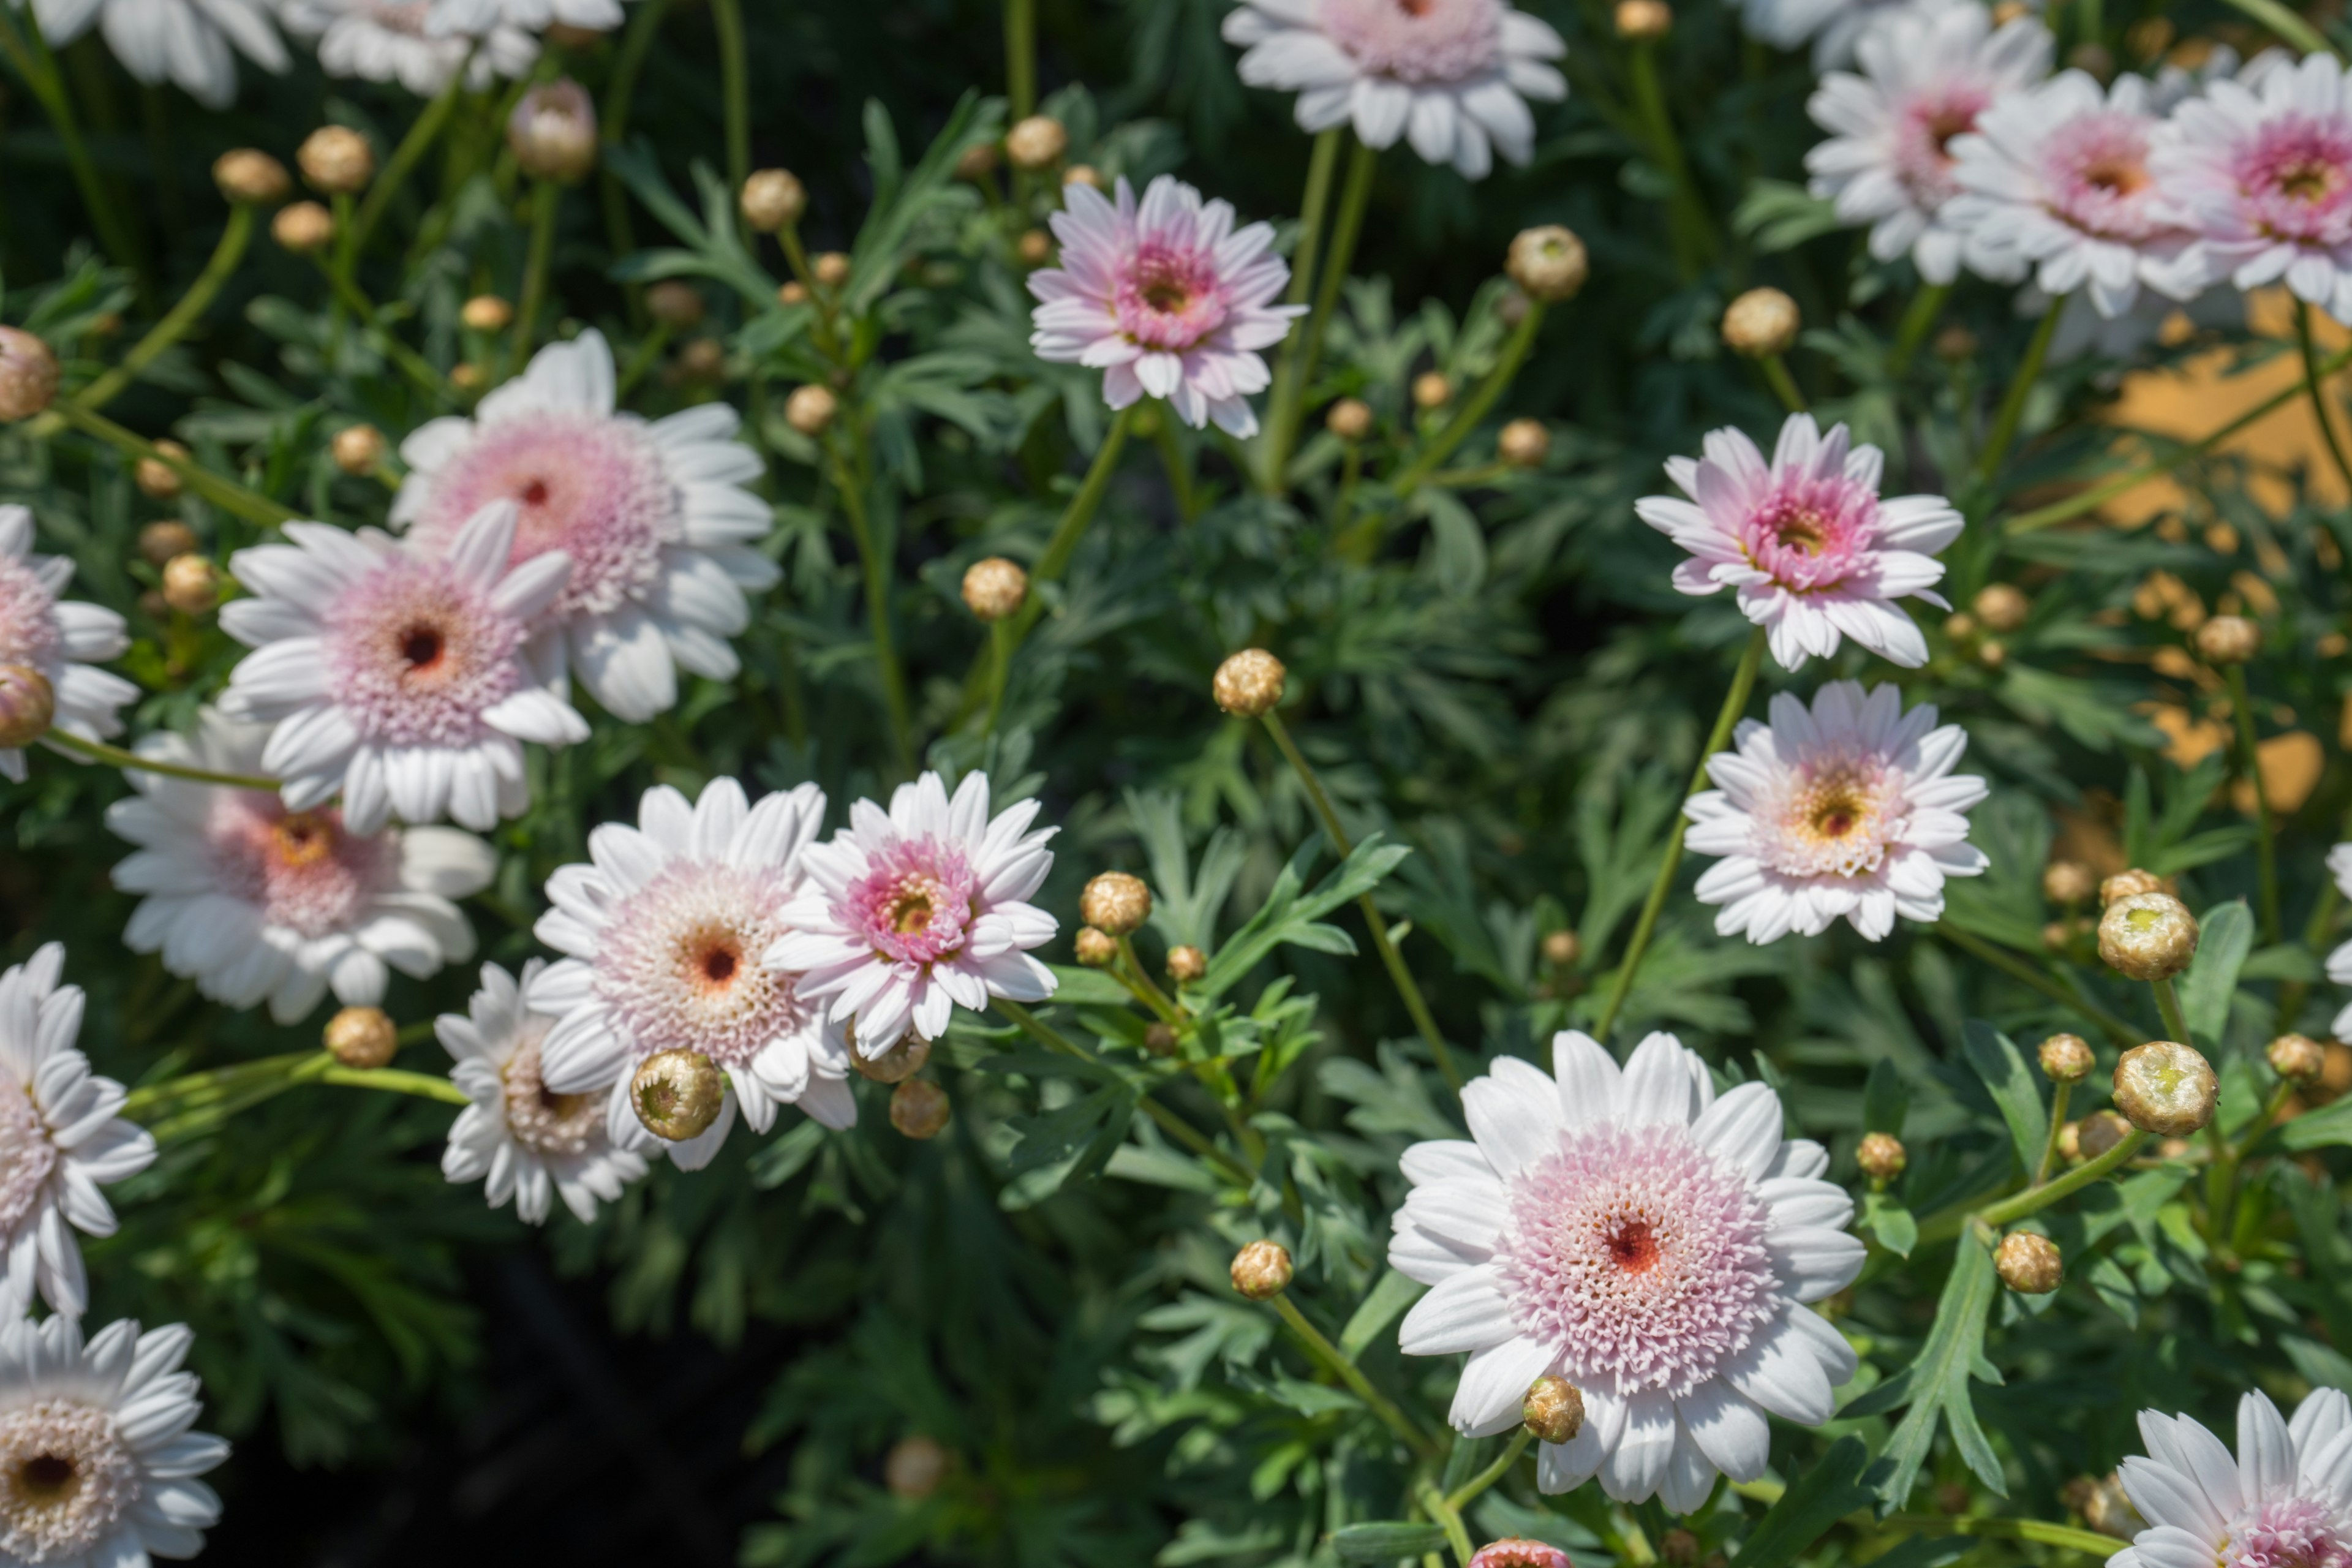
point(1391, 959)
point(2012, 407)
point(226, 494)
point(413, 147)
point(2087, 1543)
point(734, 69)
point(1282, 408)
point(1021, 57)
point(2250, 759)
point(2167, 1008)
point(1926, 306)
point(1457, 429)
point(545, 202)
point(1147, 990)
point(396, 1080)
point(2016, 969)
point(847, 479)
point(2316, 384)
point(1064, 543)
point(1363, 163)
point(1449, 1520)
point(29, 52)
point(175, 325)
point(1734, 702)
point(648, 350)
point(1000, 670)
point(1312, 1338)
point(1477, 1484)
point(629, 64)
point(1688, 228)
point(414, 365)
point(1167, 1121)
point(100, 752)
point(2286, 23)
point(1784, 386)
point(2057, 1125)
point(2034, 1200)
point(1179, 472)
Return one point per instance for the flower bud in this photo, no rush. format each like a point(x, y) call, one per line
point(1991, 655)
point(157, 480)
point(250, 177)
point(976, 162)
point(2098, 1133)
point(2124, 884)
point(1084, 175)
point(1880, 1156)
point(1249, 684)
point(1096, 949)
point(1159, 1040)
point(160, 541)
point(1643, 21)
point(1116, 902)
point(1262, 1270)
point(831, 268)
point(2298, 1058)
point(2147, 936)
point(792, 293)
point(1524, 443)
point(1562, 949)
point(1431, 389)
point(810, 409)
point(1351, 419)
point(702, 359)
point(677, 1094)
point(192, 584)
point(358, 448)
point(1515, 1552)
point(2001, 606)
point(552, 132)
point(303, 228)
point(918, 1108)
point(2107, 1509)
point(1954, 343)
point(487, 313)
point(466, 378)
point(1761, 322)
point(336, 161)
point(2228, 639)
point(1547, 263)
point(361, 1038)
point(1036, 247)
point(28, 705)
point(913, 1468)
point(2028, 1264)
point(1187, 964)
point(899, 1063)
point(676, 305)
point(2067, 1058)
point(2068, 883)
point(773, 199)
point(28, 374)
point(995, 588)
point(1036, 143)
point(1553, 1410)
point(2166, 1087)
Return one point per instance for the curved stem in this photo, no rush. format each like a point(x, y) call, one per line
point(235, 237)
point(2265, 844)
point(1693, 240)
point(2167, 1008)
point(1282, 408)
point(2287, 25)
point(414, 365)
point(2057, 1124)
point(1457, 429)
point(2021, 386)
point(396, 1081)
point(1064, 544)
point(545, 201)
point(1354, 197)
point(1926, 306)
point(1381, 1404)
point(1449, 1520)
point(2087, 1543)
point(2315, 382)
point(226, 494)
point(2016, 969)
point(1000, 670)
point(1469, 1491)
point(849, 478)
point(1784, 386)
point(100, 752)
point(2034, 1200)
point(734, 76)
point(404, 157)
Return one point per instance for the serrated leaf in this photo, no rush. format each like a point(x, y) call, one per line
point(1936, 1385)
point(1290, 916)
point(2016, 1088)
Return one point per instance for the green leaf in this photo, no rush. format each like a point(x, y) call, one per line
point(1885, 1099)
point(1891, 1223)
point(1384, 1306)
point(1936, 1385)
point(1289, 915)
point(1816, 1501)
point(2329, 1127)
point(1779, 214)
point(2225, 936)
point(1386, 1541)
point(2016, 1088)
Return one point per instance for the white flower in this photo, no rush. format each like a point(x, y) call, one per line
point(908, 914)
point(1927, 71)
point(254, 903)
point(528, 1141)
point(182, 41)
point(1649, 1242)
point(60, 637)
point(665, 930)
point(480, 16)
point(655, 517)
point(97, 1446)
point(397, 679)
point(1835, 26)
point(413, 42)
point(1451, 76)
point(2339, 961)
point(1848, 810)
point(60, 1139)
point(2283, 1501)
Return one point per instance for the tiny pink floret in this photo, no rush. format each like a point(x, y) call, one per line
point(915, 900)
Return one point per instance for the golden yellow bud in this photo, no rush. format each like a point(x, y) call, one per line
point(1761, 322)
point(1115, 903)
point(995, 588)
point(1249, 684)
point(677, 1094)
point(1262, 1270)
point(1553, 1410)
point(773, 198)
point(2166, 1087)
point(2147, 936)
point(1036, 143)
point(2028, 1264)
point(361, 1038)
point(336, 160)
point(1549, 263)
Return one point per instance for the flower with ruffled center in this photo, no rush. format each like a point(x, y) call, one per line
point(2284, 1501)
point(520, 1137)
point(1927, 71)
point(394, 678)
point(665, 930)
point(1166, 299)
point(654, 516)
point(1452, 77)
point(60, 637)
point(1812, 550)
point(910, 914)
point(1848, 809)
point(420, 44)
point(1645, 1239)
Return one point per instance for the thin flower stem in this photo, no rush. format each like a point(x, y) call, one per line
point(2315, 382)
point(2249, 761)
point(2034, 1200)
point(1363, 163)
point(1926, 306)
point(848, 479)
point(1470, 1489)
point(2061, 1535)
point(1466, 419)
point(148, 1098)
point(1449, 1520)
point(648, 351)
point(1693, 238)
point(2116, 1030)
point(1393, 960)
point(1167, 1121)
point(1021, 57)
point(629, 64)
point(226, 494)
point(414, 365)
point(1140, 979)
point(545, 202)
point(1312, 1338)
point(1784, 386)
point(235, 237)
point(29, 52)
point(734, 78)
point(1734, 702)
point(1289, 389)
point(413, 147)
point(1000, 670)
point(2012, 407)
point(1351, 471)
point(2057, 1124)
point(396, 1080)
point(2167, 1008)
point(100, 752)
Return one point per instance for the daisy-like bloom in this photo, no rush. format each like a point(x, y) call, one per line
point(1451, 76)
point(2056, 177)
point(2339, 961)
point(665, 930)
point(1649, 1241)
point(1928, 71)
point(1167, 300)
point(1813, 550)
point(910, 913)
point(182, 41)
point(61, 639)
point(60, 1139)
point(396, 677)
point(417, 43)
point(2284, 1501)
point(1834, 26)
point(655, 517)
point(2263, 173)
point(254, 901)
point(1848, 809)
point(98, 1460)
point(520, 1138)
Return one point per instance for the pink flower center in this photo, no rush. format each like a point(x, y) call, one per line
point(299, 867)
point(2295, 1533)
point(1516, 1553)
point(562, 1126)
point(28, 616)
point(1636, 1257)
point(26, 1155)
point(915, 900)
point(1169, 296)
point(1836, 818)
point(2096, 166)
point(2294, 178)
point(679, 964)
point(1417, 41)
point(1923, 128)
point(590, 484)
point(416, 654)
point(1810, 533)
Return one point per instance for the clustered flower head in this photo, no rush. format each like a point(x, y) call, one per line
point(2282, 1498)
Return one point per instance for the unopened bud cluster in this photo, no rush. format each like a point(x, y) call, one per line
point(773, 199)
point(1880, 1156)
point(995, 589)
point(2298, 1058)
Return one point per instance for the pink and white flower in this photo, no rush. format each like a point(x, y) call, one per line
point(1644, 1238)
point(1452, 77)
point(654, 515)
point(2056, 177)
point(62, 1136)
point(663, 932)
point(396, 679)
point(61, 639)
point(1848, 810)
point(1167, 300)
point(1928, 71)
point(2263, 173)
point(256, 902)
point(2284, 1501)
point(2339, 961)
point(520, 1139)
point(417, 43)
point(1813, 552)
point(910, 914)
